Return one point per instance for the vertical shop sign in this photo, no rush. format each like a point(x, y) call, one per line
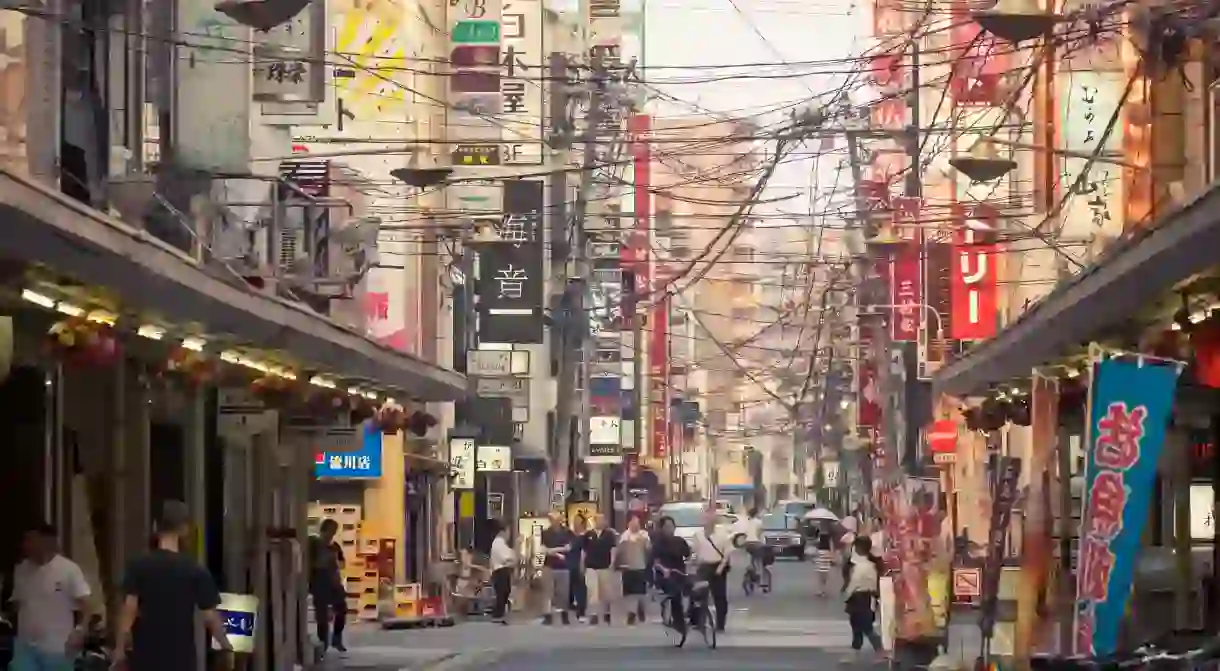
point(475, 33)
point(522, 79)
point(905, 289)
point(1003, 500)
point(974, 291)
point(635, 255)
point(510, 277)
point(658, 374)
point(1129, 408)
point(938, 280)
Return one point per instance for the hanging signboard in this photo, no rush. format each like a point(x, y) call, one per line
point(462, 461)
point(511, 272)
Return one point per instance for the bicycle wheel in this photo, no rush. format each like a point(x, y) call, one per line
point(764, 580)
point(707, 624)
point(675, 632)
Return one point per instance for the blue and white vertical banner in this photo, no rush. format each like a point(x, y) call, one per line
point(1130, 401)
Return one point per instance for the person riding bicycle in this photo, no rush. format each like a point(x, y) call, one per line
point(669, 556)
point(750, 530)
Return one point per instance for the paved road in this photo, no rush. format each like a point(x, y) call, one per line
point(787, 629)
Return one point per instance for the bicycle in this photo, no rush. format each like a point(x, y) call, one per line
point(756, 575)
point(699, 612)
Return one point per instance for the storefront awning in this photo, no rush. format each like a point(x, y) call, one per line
point(1134, 273)
point(44, 226)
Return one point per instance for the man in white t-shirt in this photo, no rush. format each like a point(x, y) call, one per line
point(49, 591)
point(750, 529)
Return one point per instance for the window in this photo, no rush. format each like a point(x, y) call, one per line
point(680, 251)
point(743, 252)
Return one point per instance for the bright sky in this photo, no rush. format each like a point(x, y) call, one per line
point(682, 38)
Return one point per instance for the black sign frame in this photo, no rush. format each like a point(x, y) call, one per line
point(510, 285)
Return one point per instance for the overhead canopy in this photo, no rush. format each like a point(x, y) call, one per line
point(44, 226)
point(1133, 273)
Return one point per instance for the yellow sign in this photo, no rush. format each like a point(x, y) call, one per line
point(584, 511)
point(466, 504)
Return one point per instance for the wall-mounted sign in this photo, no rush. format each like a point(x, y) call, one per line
point(511, 271)
point(239, 613)
point(461, 459)
point(364, 462)
point(975, 288)
point(604, 430)
point(495, 459)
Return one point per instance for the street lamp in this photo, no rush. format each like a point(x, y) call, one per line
point(984, 164)
point(1016, 20)
point(422, 178)
point(261, 15)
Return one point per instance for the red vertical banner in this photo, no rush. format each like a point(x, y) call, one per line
point(974, 290)
point(634, 254)
point(906, 290)
point(868, 414)
point(658, 374)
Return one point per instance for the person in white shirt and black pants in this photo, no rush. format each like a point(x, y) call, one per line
point(503, 565)
point(711, 548)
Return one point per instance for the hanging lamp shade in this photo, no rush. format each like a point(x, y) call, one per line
point(983, 162)
point(1016, 20)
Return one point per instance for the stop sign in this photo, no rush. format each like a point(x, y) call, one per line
point(942, 437)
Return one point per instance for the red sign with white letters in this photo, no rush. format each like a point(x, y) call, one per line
point(906, 289)
point(974, 291)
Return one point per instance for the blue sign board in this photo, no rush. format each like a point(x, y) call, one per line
point(363, 463)
point(1130, 405)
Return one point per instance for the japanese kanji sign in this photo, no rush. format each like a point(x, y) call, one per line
point(523, 65)
point(510, 279)
point(1130, 408)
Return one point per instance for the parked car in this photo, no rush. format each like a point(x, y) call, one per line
point(688, 518)
point(783, 535)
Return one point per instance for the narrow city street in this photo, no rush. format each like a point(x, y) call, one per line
point(790, 628)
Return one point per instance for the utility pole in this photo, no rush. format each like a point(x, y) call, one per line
point(572, 327)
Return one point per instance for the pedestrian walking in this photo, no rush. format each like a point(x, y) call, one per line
point(49, 592)
point(601, 548)
point(669, 554)
point(579, 595)
point(862, 589)
point(557, 542)
point(326, 563)
point(823, 561)
point(503, 565)
point(164, 593)
point(633, 551)
point(711, 550)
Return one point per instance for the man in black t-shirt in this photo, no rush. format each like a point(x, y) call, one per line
point(326, 586)
point(163, 590)
point(556, 544)
point(601, 580)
